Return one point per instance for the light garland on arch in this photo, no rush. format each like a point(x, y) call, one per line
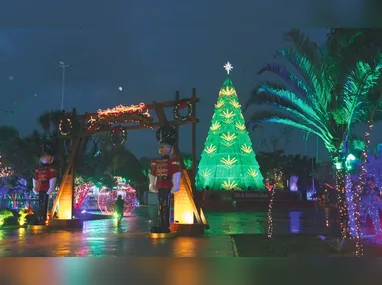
point(120, 114)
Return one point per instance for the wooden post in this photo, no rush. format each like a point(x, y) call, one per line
point(193, 167)
point(177, 126)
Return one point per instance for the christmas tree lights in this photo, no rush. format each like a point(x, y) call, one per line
point(228, 161)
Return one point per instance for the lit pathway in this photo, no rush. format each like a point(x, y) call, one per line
point(103, 238)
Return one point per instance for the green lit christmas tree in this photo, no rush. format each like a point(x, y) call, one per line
point(228, 161)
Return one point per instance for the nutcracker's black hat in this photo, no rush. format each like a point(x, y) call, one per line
point(47, 149)
point(166, 135)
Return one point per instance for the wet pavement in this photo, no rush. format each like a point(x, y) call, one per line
point(100, 238)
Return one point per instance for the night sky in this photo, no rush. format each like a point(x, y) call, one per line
point(149, 48)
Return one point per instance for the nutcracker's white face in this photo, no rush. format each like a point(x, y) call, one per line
point(46, 159)
point(164, 149)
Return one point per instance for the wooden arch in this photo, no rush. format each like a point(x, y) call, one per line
point(138, 117)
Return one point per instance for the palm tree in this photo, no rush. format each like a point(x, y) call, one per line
point(356, 45)
point(317, 98)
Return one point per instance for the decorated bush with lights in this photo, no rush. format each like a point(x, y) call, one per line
point(228, 161)
point(107, 198)
point(80, 194)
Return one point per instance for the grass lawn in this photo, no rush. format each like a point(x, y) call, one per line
point(255, 245)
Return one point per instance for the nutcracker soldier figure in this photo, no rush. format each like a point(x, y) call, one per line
point(164, 177)
point(44, 181)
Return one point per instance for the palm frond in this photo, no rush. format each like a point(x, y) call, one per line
point(349, 46)
point(296, 83)
point(305, 46)
point(289, 105)
point(306, 57)
point(303, 67)
point(359, 83)
point(329, 91)
point(279, 94)
point(276, 117)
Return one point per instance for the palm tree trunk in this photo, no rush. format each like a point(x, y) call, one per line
point(341, 201)
point(370, 125)
point(341, 175)
point(362, 176)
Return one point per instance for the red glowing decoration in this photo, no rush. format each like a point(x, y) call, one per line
point(117, 130)
point(80, 194)
point(107, 199)
point(268, 185)
point(182, 104)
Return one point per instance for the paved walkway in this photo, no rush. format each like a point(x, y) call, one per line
point(103, 237)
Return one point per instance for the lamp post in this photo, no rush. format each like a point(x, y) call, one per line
point(63, 66)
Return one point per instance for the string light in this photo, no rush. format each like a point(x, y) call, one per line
point(106, 199)
point(327, 216)
point(276, 177)
point(121, 114)
point(350, 206)
point(80, 194)
point(270, 219)
point(5, 171)
point(65, 126)
point(182, 105)
point(360, 188)
point(340, 181)
point(118, 135)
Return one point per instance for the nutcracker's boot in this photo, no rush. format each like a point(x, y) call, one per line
point(163, 212)
point(157, 229)
point(43, 207)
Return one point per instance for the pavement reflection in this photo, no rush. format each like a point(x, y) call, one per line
point(104, 238)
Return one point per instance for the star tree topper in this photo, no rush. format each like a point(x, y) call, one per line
point(228, 67)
